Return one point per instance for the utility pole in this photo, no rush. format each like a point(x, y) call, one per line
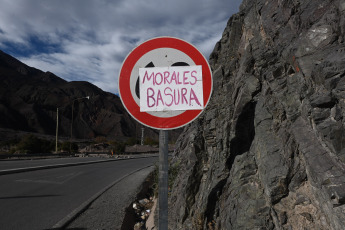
point(57, 129)
point(142, 135)
point(70, 145)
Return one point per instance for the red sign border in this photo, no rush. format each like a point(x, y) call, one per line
point(164, 123)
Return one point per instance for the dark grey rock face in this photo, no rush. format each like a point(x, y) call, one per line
point(269, 151)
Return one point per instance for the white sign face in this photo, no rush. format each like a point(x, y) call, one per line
point(171, 88)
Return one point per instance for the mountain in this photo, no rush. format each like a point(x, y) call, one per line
point(29, 99)
point(269, 151)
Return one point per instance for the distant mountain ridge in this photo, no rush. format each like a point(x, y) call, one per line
point(29, 99)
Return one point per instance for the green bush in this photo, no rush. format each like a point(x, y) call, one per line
point(69, 147)
point(150, 141)
point(100, 139)
point(118, 147)
point(132, 141)
point(10, 145)
point(31, 144)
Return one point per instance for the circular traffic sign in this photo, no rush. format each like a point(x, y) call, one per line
point(161, 52)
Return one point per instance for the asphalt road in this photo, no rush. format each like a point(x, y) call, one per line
point(15, 164)
point(41, 199)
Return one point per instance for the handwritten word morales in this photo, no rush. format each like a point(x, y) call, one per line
point(171, 88)
point(171, 77)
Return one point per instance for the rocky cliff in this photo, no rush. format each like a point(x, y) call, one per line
point(269, 151)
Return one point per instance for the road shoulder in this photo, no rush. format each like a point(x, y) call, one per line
point(108, 211)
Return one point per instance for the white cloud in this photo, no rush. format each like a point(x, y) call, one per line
point(88, 39)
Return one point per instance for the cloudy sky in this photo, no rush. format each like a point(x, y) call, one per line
point(87, 40)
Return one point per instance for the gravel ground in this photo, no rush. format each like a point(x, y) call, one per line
point(108, 211)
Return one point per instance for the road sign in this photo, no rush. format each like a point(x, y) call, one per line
point(179, 96)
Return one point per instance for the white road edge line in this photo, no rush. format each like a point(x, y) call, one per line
point(19, 170)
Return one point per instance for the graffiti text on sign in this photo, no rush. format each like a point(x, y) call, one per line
point(171, 88)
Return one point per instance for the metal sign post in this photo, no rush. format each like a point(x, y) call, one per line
point(165, 83)
point(163, 180)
